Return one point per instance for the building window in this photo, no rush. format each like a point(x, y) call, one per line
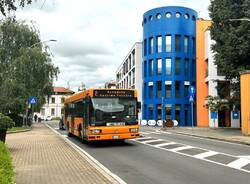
point(168, 43)
point(168, 111)
point(145, 68)
point(52, 112)
point(193, 46)
point(150, 111)
point(177, 43)
point(151, 45)
point(177, 66)
point(193, 69)
point(168, 14)
point(150, 18)
point(186, 44)
point(186, 16)
point(159, 109)
point(151, 67)
point(186, 67)
point(158, 15)
point(168, 91)
point(186, 114)
point(186, 90)
point(159, 44)
point(145, 90)
point(177, 89)
point(159, 66)
point(178, 112)
point(168, 66)
point(53, 100)
point(158, 89)
point(177, 15)
point(145, 47)
point(62, 100)
point(133, 57)
point(150, 92)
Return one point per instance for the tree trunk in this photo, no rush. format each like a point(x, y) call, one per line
point(3, 135)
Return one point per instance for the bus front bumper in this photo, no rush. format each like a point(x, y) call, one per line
point(122, 136)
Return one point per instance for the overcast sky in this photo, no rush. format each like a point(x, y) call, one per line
point(93, 36)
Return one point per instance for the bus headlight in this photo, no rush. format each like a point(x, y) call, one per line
point(95, 131)
point(133, 130)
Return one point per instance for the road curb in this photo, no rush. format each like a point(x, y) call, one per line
point(214, 138)
point(19, 131)
point(91, 160)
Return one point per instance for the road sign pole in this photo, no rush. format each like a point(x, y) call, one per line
point(192, 114)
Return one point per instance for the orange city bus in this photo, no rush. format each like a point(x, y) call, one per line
point(102, 114)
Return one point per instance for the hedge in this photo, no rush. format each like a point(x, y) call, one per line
point(6, 168)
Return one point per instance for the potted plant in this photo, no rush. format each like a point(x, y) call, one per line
point(214, 104)
point(5, 123)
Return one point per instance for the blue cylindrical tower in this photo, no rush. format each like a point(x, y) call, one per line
point(169, 53)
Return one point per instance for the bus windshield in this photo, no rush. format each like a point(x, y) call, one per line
point(114, 110)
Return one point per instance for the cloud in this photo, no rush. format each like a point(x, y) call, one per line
point(93, 37)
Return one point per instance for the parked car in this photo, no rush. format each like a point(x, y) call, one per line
point(48, 118)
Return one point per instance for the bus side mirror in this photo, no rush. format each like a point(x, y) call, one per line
point(138, 105)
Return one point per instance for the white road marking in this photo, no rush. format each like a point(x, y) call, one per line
point(206, 154)
point(144, 133)
point(164, 144)
point(239, 163)
point(149, 141)
point(141, 138)
point(152, 132)
point(245, 156)
point(181, 148)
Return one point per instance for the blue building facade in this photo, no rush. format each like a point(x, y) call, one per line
point(169, 56)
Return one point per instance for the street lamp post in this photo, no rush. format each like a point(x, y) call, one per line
point(27, 105)
point(51, 40)
point(242, 19)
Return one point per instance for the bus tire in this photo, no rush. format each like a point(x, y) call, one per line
point(70, 134)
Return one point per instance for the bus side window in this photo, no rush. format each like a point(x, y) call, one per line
point(79, 108)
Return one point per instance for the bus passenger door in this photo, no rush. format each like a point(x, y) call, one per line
point(86, 116)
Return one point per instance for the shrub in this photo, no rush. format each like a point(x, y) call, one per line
point(6, 168)
point(6, 122)
point(17, 119)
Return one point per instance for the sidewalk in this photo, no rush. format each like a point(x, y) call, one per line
point(42, 157)
point(223, 134)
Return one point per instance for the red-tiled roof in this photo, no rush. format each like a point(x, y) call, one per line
point(62, 90)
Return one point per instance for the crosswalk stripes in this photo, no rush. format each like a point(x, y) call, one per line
point(227, 160)
point(157, 132)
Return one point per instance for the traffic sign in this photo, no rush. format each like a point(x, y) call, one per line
point(32, 100)
point(191, 99)
point(191, 90)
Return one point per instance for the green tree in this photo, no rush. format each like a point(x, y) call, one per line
point(8, 5)
point(24, 70)
point(232, 46)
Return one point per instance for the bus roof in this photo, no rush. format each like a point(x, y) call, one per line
point(90, 92)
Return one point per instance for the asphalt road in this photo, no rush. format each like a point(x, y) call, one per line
point(160, 157)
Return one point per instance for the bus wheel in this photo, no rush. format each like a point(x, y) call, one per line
point(70, 134)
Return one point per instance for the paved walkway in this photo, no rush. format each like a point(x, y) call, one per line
point(42, 157)
point(224, 134)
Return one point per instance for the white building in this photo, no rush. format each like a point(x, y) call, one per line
point(129, 73)
point(53, 106)
point(216, 81)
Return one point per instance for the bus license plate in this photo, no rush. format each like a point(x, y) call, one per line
point(116, 137)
